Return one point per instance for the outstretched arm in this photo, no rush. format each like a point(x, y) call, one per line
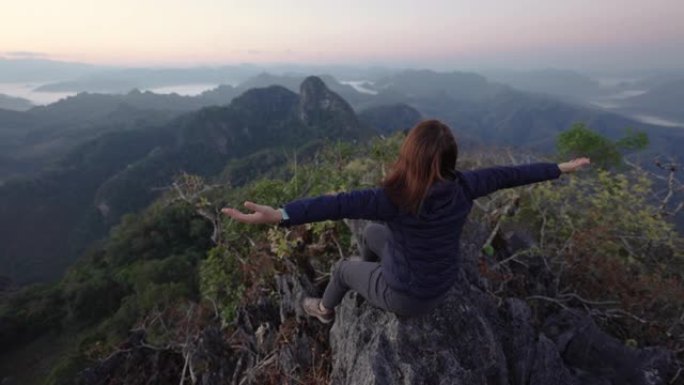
point(485, 181)
point(370, 204)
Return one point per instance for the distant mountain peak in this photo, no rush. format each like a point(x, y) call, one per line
point(313, 85)
point(318, 105)
point(266, 99)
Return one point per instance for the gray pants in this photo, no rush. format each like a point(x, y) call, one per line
point(365, 277)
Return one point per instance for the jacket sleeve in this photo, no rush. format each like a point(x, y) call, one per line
point(487, 180)
point(370, 204)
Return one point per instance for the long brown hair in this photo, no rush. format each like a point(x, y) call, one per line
point(427, 155)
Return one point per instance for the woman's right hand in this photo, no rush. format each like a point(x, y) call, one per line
point(573, 165)
point(262, 214)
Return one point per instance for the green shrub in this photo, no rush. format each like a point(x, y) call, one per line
point(579, 140)
point(606, 241)
point(220, 282)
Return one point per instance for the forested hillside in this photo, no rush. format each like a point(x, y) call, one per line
point(121, 172)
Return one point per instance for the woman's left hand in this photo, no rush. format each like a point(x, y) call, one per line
point(262, 214)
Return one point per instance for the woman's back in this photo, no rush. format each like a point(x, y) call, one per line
point(421, 258)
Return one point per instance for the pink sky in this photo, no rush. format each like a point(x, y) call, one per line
point(485, 32)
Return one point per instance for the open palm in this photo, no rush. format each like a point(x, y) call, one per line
point(262, 214)
point(573, 165)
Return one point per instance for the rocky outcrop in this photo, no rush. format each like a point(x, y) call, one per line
point(467, 341)
point(471, 340)
point(325, 110)
point(456, 344)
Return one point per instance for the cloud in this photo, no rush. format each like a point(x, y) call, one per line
point(26, 55)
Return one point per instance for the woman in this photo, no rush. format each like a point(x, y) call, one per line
point(424, 202)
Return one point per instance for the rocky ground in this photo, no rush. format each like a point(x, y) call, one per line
point(473, 338)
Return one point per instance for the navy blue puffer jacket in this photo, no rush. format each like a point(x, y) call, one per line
point(421, 259)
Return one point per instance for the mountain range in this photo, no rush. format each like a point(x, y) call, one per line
point(52, 217)
point(14, 103)
point(664, 100)
point(71, 169)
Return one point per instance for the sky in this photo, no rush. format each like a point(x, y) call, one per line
point(430, 33)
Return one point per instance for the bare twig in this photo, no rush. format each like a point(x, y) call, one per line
point(670, 188)
point(213, 304)
point(236, 371)
point(515, 256)
point(617, 313)
point(339, 248)
point(676, 376)
point(542, 230)
point(501, 214)
point(114, 353)
point(479, 205)
point(185, 368)
point(549, 299)
point(673, 184)
point(587, 301)
point(157, 348)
